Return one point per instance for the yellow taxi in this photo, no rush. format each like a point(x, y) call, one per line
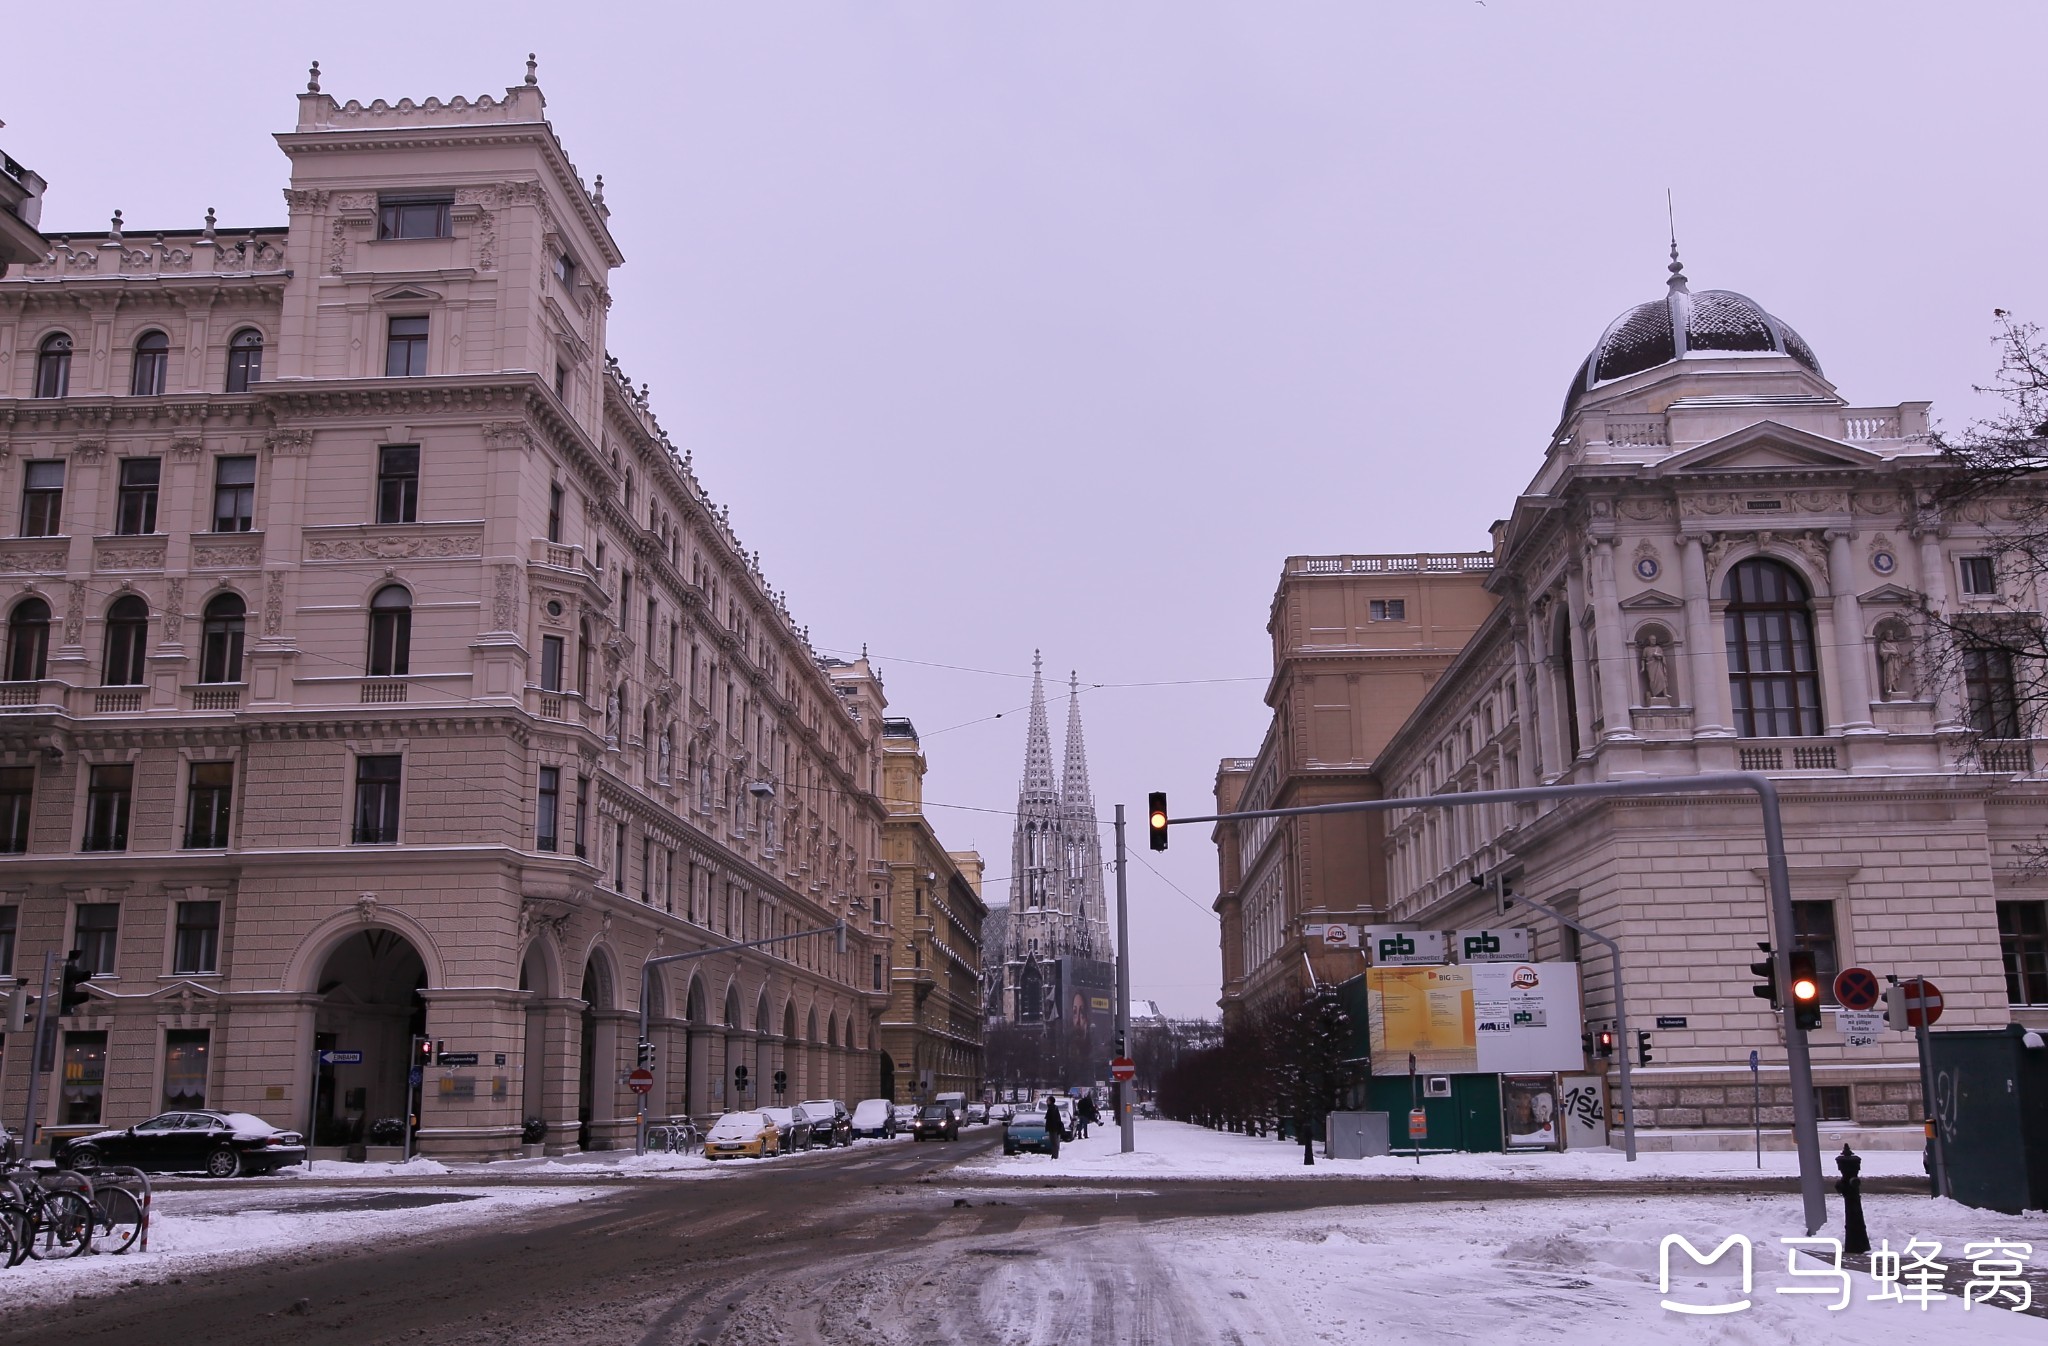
point(743, 1135)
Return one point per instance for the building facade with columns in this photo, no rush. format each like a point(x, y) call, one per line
point(378, 670)
point(931, 1034)
point(1722, 565)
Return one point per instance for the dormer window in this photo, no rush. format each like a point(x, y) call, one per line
point(414, 217)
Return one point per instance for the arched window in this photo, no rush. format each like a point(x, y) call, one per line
point(1773, 680)
point(127, 635)
point(1567, 684)
point(53, 366)
point(152, 363)
point(220, 649)
point(245, 360)
point(391, 632)
point(28, 640)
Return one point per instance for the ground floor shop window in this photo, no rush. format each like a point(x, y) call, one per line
point(85, 1078)
point(185, 1068)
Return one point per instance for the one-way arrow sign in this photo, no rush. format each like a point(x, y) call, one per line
point(335, 1058)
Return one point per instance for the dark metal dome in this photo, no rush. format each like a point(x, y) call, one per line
point(1680, 324)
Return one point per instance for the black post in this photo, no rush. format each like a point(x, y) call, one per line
point(1855, 1236)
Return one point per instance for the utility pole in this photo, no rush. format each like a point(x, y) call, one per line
point(35, 1055)
point(1124, 1088)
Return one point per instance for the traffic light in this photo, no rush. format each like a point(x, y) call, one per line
point(1155, 818)
point(1642, 1047)
point(739, 1078)
point(423, 1052)
point(1768, 970)
point(646, 1057)
point(1805, 990)
point(76, 975)
point(1607, 1042)
point(781, 1080)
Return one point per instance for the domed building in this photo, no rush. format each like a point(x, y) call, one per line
point(1719, 565)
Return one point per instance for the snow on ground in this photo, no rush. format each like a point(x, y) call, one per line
point(1514, 1272)
point(1179, 1150)
point(198, 1231)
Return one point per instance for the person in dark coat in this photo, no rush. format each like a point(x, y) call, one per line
point(1085, 1115)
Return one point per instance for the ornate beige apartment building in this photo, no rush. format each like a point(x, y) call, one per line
point(931, 1034)
point(376, 668)
point(1720, 564)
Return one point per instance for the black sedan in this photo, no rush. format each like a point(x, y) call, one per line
point(831, 1123)
point(936, 1121)
point(219, 1144)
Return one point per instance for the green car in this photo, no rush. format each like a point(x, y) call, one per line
point(1028, 1131)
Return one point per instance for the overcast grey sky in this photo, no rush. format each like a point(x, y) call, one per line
point(1061, 325)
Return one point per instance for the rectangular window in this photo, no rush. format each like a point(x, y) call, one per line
point(415, 217)
point(10, 922)
point(546, 816)
point(1831, 1102)
point(653, 624)
point(85, 1079)
point(95, 927)
point(185, 1051)
point(1388, 610)
point(551, 663)
point(878, 972)
point(405, 348)
point(2023, 939)
point(197, 950)
point(209, 799)
point(42, 498)
point(1813, 925)
point(398, 483)
point(668, 881)
point(618, 857)
point(565, 269)
point(554, 513)
point(582, 817)
point(1980, 577)
point(377, 800)
point(1994, 700)
point(647, 870)
point(107, 796)
point(234, 495)
point(561, 380)
point(135, 510)
point(17, 793)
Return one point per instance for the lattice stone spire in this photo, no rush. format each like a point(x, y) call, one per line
point(1074, 791)
point(1038, 777)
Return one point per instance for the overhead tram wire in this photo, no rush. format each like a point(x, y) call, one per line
point(1176, 887)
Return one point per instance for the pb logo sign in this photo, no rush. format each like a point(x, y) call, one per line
point(1396, 946)
point(1481, 945)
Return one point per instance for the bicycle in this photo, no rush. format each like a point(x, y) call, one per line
point(120, 1215)
point(677, 1136)
point(48, 1217)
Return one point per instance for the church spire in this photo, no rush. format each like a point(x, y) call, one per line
point(1038, 778)
point(1074, 791)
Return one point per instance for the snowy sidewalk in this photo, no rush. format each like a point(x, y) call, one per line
point(1167, 1150)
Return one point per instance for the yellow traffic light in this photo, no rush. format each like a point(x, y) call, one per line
point(1155, 818)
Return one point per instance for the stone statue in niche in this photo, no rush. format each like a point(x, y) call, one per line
point(1894, 666)
point(1656, 664)
point(611, 720)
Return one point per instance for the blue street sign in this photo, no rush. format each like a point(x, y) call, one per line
point(416, 1075)
point(333, 1058)
point(1752, 1058)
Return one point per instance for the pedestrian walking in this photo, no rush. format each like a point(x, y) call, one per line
point(1085, 1114)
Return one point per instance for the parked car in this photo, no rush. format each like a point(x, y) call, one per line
point(936, 1121)
point(1001, 1112)
point(831, 1123)
point(793, 1129)
point(1028, 1130)
point(743, 1135)
point(977, 1113)
point(221, 1144)
point(906, 1116)
point(873, 1118)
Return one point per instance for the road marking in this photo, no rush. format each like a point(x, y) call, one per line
point(1031, 1222)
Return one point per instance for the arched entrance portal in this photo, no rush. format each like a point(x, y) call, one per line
point(597, 994)
point(888, 1081)
point(370, 1002)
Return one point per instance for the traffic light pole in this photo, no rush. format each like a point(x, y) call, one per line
point(1124, 1088)
point(640, 1110)
point(35, 1055)
point(1798, 1061)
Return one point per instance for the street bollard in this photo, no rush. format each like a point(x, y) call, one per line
point(1855, 1236)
